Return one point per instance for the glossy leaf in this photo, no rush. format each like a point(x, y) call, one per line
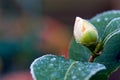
point(109, 56)
point(109, 31)
point(112, 29)
point(101, 20)
point(51, 67)
point(78, 52)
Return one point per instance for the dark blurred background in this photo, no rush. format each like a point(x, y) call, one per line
point(32, 28)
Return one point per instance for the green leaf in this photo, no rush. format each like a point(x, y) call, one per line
point(78, 52)
point(101, 20)
point(112, 29)
point(51, 67)
point(109, 56)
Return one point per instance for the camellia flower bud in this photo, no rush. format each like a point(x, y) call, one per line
point(84, 32)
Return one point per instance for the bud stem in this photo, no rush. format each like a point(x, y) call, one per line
point(96, 52)
point(91, 59)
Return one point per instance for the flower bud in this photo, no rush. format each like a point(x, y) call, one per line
point(84, 32)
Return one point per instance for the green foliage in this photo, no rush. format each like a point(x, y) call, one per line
point(112, 29)
point(78, 52)
point(101, 20)
point(51, 67)
point(108, 26)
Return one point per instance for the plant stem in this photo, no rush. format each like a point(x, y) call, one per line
point(91, 59)
point(96, 52)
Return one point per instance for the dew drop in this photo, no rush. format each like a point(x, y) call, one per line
point(38, 68)
point(83, 74)
point(41, 62)
point(51, 65)
point(79, 69)
point(106, 19)
point(72, 72)
point(53, 59)
point(98, 20)
point(62, 61)
point(36, 64)
point(74, 77)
